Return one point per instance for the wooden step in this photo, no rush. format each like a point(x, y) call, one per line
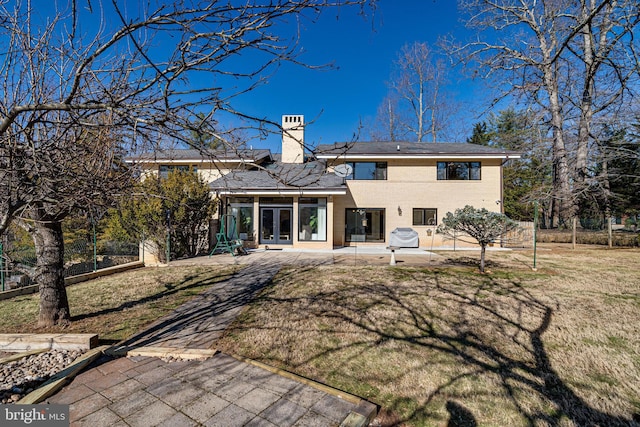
point(27, 342)
point(182, 353)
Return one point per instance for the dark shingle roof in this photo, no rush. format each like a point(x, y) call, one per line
point(404, 149)
point(281, 177)
point(201, 155)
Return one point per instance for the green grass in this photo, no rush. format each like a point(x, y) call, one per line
point(117, 306)
point(432, 345)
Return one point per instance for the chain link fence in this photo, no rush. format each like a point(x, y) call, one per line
point(84, 252)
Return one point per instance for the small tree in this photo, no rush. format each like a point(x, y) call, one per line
point(482, 225)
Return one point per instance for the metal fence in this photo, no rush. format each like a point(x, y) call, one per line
point(522, 237)
point(81, 255)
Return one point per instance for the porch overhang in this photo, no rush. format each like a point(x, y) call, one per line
point(287, 192)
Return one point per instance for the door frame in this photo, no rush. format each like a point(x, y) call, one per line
point(277, 236)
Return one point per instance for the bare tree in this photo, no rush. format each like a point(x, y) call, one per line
point(387, 125)
point(550, 53)
point(605, 51)
point(63, 170)
point(134, 71)
point(417, 105)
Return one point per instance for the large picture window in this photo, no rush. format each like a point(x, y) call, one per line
point(424, 216)
point(459, 171)
point(242, 209)
point(312, 215)
point(368, 171)
point(364, 225)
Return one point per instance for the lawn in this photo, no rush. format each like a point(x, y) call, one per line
point(445, 344)
point(115, 307)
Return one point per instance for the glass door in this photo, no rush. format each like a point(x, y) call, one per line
point(364, 225)
point(276, 226)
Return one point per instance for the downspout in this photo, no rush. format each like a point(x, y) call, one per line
point(502, 183)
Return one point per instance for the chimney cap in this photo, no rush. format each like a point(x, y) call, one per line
point(297, 119)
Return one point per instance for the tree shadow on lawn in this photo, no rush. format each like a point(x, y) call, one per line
point(170, 289)
point(506, 309)
point(198, 322)
point(465, 261)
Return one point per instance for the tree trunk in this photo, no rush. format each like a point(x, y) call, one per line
point(483, 249)
point(54, 306)
point(561, 181)
point(586, 112)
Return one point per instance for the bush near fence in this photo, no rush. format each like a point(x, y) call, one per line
point(19, 258)
point(585, 237)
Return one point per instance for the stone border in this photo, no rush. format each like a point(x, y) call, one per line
point(59, 380)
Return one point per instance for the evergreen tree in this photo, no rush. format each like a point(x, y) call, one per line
point(484, 226)
point(480, 135)
point(524, 180)
point(181, 203)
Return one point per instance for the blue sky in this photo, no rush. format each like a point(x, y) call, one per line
point(362, 51)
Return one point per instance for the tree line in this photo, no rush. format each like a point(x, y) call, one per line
point(86, 83)
point(570, 71)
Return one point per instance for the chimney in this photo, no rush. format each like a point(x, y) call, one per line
point(292, 139)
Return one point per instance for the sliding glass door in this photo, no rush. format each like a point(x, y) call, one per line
point(364, 225)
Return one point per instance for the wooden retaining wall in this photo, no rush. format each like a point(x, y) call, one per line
point(25, 290)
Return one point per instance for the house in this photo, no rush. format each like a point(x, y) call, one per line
point(341, 194)
point(346, 194)
point(209, 164)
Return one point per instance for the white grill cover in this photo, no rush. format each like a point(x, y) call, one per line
point(404, 238)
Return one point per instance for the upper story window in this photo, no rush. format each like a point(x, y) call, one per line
point(459, 171)
point(165, 169)
point(368, 170)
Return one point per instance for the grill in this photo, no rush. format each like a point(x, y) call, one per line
point(404, 238)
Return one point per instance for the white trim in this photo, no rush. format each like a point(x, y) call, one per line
point(300, 192)
point(421, 156)
point(191, 161)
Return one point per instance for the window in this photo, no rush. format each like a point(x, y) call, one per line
point(165, 169)
point(312, 216)
point(364, 225)
point(242, 209)
point(368, 171)
point(423, 216)
point(459, 171)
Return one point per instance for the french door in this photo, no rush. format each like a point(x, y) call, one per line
point(276, 226)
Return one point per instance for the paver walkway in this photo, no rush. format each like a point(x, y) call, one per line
point(219, 391)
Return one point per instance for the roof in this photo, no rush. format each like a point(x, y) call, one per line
point(301, 179)
point(400, 150)
point(197, 156)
